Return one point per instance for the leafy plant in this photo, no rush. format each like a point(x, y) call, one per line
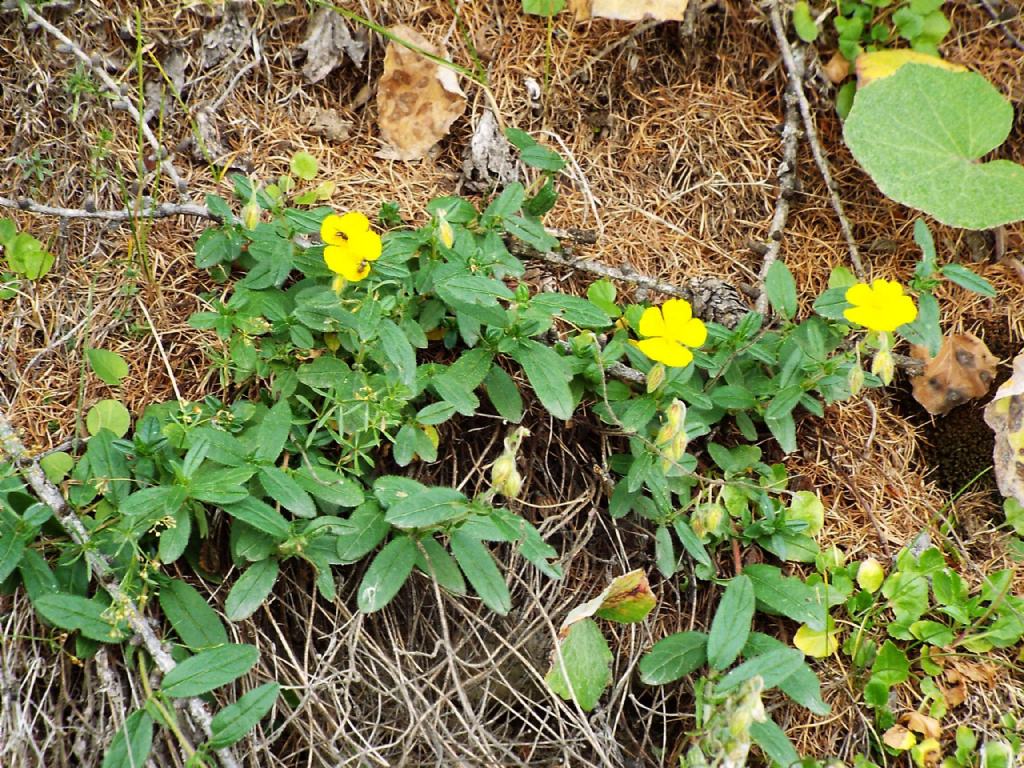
point(919, 134)
point(877, 24)
point(24, 254)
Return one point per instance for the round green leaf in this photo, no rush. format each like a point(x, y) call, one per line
point(56, 465)
point(109, 366)
point(304, 165)
point(108, 414)
point(919, 134)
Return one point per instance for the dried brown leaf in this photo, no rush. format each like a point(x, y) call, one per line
point(328, 42)
point(923, 724)
point(232, 34)
point(327, 123)
point(417, 99)
point(963, 370)
point(629, 10)
point(899, 737)
point(1005, 414)
point(837, 69)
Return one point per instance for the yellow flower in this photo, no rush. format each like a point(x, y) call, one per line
point(350, 245)
point(881, 306)
point(670, 329)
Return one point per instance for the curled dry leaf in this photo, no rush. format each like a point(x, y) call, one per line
point(963, 370)
point(927, 726)
point(417, 99)
point(327, 123)
point(489, 161)
point(837, 69)
point(328, 41)
point(1005, 415)
point(629, 10)
point(899, 737)
point(230, 36)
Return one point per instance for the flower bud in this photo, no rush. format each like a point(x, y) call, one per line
point(870, 575)
point(505, 477)
point(855, 379)
point(445, 231)
point(251, 213)
point(655, 377)
point(883, 366)
point(671, 440)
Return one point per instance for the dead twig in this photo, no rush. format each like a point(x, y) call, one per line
point(787, 176)
point(795, 71)
point(1001, 23)
point(12, 447)
point(150, 211)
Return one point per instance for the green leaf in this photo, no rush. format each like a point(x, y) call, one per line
point(436, 563)
point(547, 8)
point(731, 625)
point(965, 278)
point(925, 330)
point(368, 530)
point(504, 394)
point(432, 506)
point(174, 539)
point(386, 574)
point(803, 22)
point(919, 134)
point(260, 516)
point(191, 616)
point(73, 612)
point(587, 660)
point(923, 237)
point(234, 721)
point(251, 589)
point(12, 548)
point(786, 595)
point(780, 286)
point(549, 375)
point(664, 552)
point(674, 657)
point(56, 465)
point(602, 294)
point(285, 490)
point(802, 686)
point(208, 670)
point(529, 229)
point(773, 667)
point(108, 414)
point(328, 486)
point(272, 433)
point(398, 351)
point(109, 366)
point(304, 165)
point(477, 563)
point(891, 666)
point(932, 632)
point(773, 741)
point(132, 742)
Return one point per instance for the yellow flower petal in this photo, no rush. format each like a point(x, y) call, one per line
point(677, 312)
point(881, 306)
point(365, 245)
point(652, 323)
point(338, 230)
point(666, 351)
point(341, 261)
point(692, 333)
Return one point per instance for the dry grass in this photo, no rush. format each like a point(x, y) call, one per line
point(672, 146)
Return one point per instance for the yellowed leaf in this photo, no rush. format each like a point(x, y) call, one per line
point(629, 10)
point(417, 98)
point(627, 599)
point(927, 726)
point(878, 64)
point(1005, 414)
point(963, 370)
point(818, 643)
point(899, 737)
